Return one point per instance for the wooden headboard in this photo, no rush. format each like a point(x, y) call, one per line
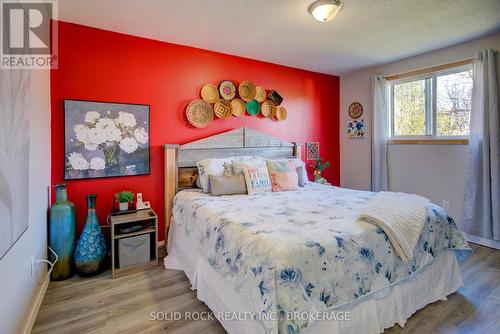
point(180, 160)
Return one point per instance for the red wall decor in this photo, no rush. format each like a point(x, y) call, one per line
point(100, 65)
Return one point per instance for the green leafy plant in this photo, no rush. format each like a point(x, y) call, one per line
point(125, 196)
point(319, 165)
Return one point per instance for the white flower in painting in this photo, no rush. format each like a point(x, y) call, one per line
point(81, 132)
point(97, 136)
point(109, 127)
point(140, 135)
point(92, 116)
point(129, 145)
point(77, 161)
point(126, 119)
point(103, 123)
point(113, 133)
point(97, 163)
point(90, 147)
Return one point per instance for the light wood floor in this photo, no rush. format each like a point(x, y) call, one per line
point(123, 305)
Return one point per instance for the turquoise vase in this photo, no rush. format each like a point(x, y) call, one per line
point(62, 234)
point(91, 250)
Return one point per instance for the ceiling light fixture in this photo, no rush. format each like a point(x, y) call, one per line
point(325, 10)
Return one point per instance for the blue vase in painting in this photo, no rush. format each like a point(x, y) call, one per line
point(62, 234)
point(91, 250)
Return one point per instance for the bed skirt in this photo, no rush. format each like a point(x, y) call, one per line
point(370, 314)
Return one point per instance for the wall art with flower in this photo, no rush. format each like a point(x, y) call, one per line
point(105, 139)
point(356, 129)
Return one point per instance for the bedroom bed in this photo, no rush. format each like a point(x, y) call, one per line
point(298, 261)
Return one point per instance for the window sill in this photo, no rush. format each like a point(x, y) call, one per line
point(458, 141)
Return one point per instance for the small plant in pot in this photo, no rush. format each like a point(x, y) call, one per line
point(124, 198)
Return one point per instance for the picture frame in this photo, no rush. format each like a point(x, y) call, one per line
point(356, 129)
point(312, 151)
point(105, 139)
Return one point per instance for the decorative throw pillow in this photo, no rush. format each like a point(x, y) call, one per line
point(198, 182)
point(300, 175)
point(228, 185)
point(209, 167)
point(257, 179)
point(252, 161)
point(300, 163)
point(283, 175)
point(228, 169)
point(303, 172)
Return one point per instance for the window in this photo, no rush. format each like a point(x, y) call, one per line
point(435, 105)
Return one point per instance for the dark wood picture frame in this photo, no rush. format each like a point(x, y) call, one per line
point(131, 164)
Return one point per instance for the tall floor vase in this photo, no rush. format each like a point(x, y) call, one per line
point(62, 234)
point(91, 250)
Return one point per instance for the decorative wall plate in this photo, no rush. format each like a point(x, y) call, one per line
point(268, 109)
point(237, 107)
point(227, 90)
point(199, 113)
point(222, 109)
point(253, 107)
point(260, 94)
point(209, 93)
point(247, 91)
point(355, 110)
point(275, 97)
point(281, 113)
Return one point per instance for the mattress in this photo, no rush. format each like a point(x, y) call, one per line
point(304, 251)
point(369, 315)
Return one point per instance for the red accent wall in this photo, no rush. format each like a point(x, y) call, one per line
point(101, 65)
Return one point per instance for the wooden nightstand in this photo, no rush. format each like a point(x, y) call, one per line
point(140, 228)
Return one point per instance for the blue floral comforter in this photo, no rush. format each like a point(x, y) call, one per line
point(304, 251)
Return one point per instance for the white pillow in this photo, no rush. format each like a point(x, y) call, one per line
point(215, 167)
point(209, 167)
point(252, 162)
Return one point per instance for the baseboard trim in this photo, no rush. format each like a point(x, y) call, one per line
point(482, 241)
point(36, 305)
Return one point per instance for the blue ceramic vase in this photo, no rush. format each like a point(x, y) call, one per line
point(62, 234)
point(91, 250)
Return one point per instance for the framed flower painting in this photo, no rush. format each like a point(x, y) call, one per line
point(103, 139)
point(356, 129)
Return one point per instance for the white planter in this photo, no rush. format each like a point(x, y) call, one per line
point(124, 206)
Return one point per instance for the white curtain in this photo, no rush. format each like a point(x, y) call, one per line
point(482, 192)
point(380, 134)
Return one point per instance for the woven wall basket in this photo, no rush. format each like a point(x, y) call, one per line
point(210, 93)
point(237, 107)
point(199, 113)
point(247, 91)
point(227, 90)
point(281, 113)
point(222, 109)
point(268, 109)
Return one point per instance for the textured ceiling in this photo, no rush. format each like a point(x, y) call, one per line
point(364, 33)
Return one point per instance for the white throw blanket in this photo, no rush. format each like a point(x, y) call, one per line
point(401, 216)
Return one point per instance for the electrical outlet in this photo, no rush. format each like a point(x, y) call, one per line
point(446, 205)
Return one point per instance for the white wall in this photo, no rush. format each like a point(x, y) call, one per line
point(18, 286)
point(434, 171)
